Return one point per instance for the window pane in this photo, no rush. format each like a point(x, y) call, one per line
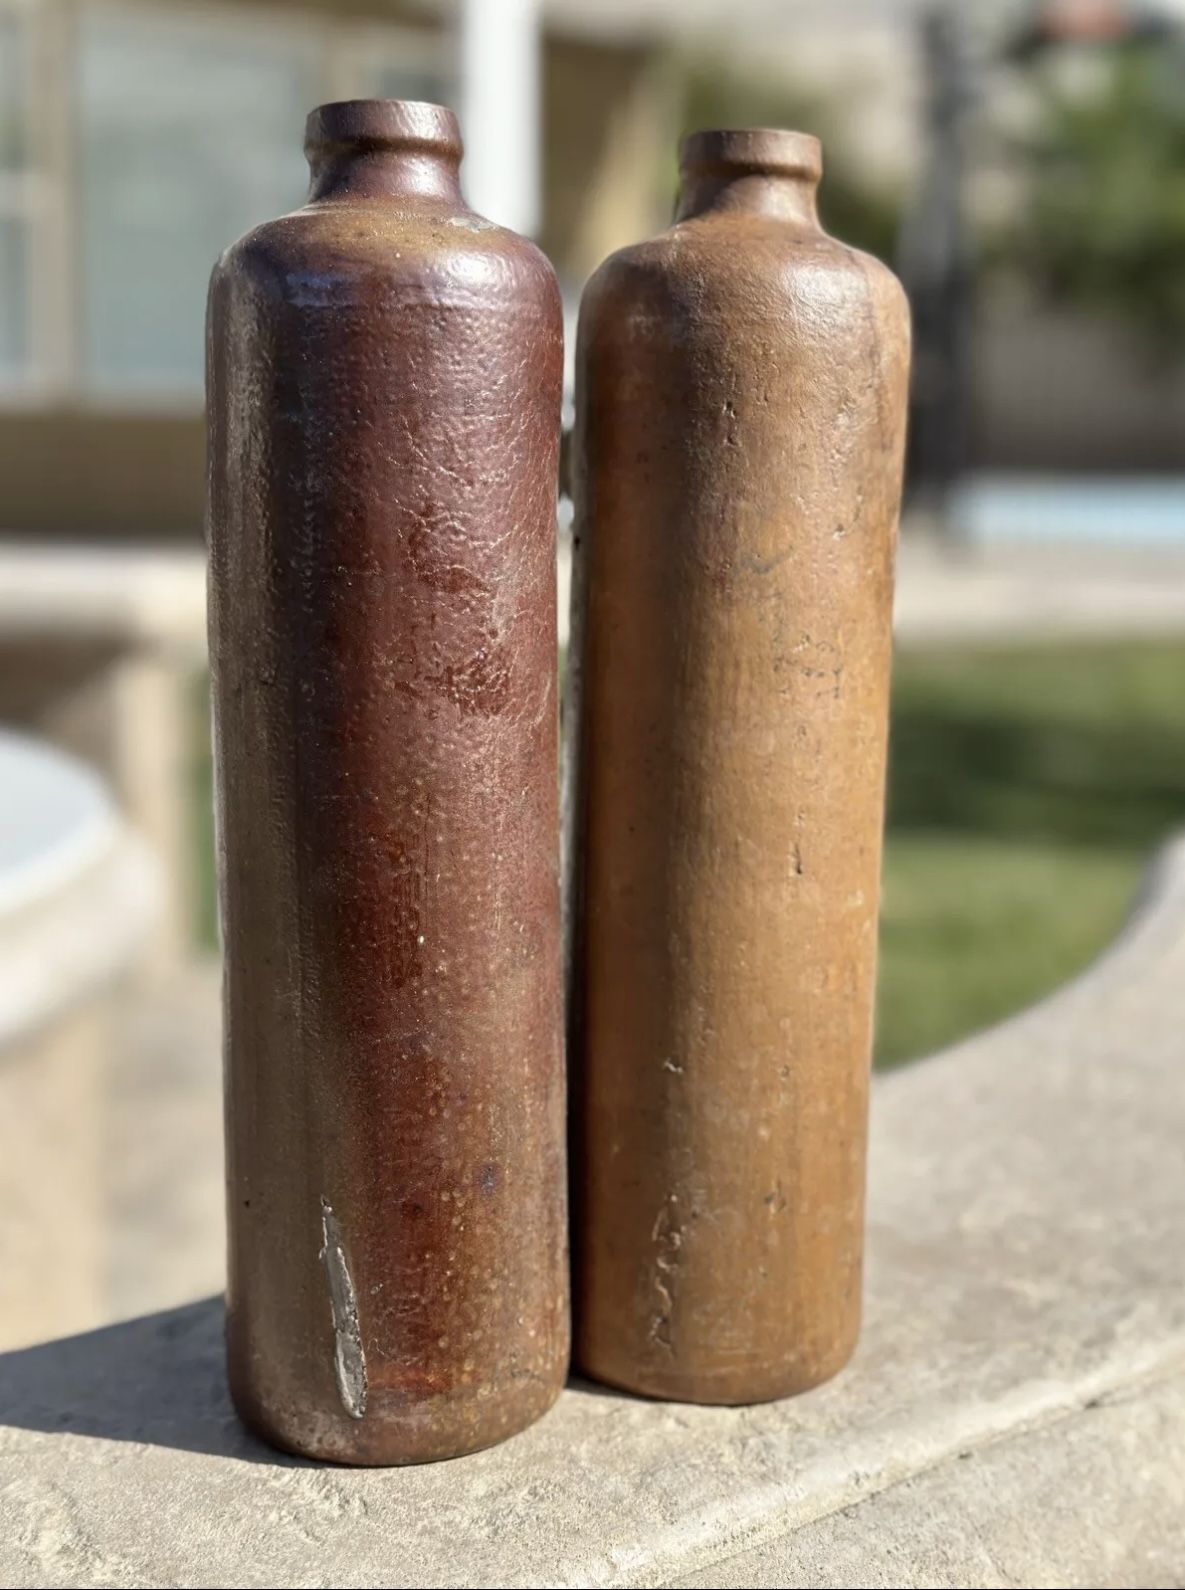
point(190, 132)
point(410, 82)
point(14, 297)
point(14, 67)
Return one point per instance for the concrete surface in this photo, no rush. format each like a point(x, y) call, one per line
point(1009, 593)
point(99, 649)
point(147, 596)
point(77, 890)
point(1013, 1415)
point(163, 1173)
point(1074, 1502)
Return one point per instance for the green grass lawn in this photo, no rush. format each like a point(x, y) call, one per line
point(1028, 789)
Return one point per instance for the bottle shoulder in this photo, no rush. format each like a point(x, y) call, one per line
point(328, 247)
point(753, 264)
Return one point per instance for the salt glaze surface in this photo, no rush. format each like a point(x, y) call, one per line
point(384, 394)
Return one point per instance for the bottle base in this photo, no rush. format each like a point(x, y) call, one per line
point(429, 1434)
point(726, 1388)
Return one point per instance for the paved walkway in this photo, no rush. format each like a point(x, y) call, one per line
point(1006, 594)
point(1003, 594)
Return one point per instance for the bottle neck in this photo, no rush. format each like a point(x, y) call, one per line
point(760, 172)
point(381, 148)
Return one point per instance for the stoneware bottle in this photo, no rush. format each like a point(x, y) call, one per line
point(737, 471)
point(384, 372)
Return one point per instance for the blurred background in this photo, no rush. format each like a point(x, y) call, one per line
point(1022, 166)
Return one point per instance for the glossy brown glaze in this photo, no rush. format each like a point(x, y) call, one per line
point(740, 402)
point(384, 392)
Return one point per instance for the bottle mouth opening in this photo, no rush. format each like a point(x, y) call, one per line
point(768, 151)
point(411, 125)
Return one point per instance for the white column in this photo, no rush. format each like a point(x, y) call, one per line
point(498, 59)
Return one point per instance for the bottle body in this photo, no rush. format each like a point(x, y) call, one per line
point(737, 469)
point(384, 389)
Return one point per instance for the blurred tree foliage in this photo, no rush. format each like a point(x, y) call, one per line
point(1102, 223)
point(719, 94)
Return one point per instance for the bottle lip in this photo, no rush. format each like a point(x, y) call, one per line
point(408, 124)
point(772, 151)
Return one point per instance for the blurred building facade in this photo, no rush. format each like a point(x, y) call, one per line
point(139, 137)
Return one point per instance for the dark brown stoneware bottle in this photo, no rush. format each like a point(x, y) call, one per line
point(740, 402)
point(384, 394)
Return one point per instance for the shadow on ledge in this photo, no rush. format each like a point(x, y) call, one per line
point(158, 1380)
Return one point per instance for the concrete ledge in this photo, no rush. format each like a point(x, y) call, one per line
point(1074, 1502)
point(151, 597)
point(99, 648)
point(77, 897)
point(1014, 1414)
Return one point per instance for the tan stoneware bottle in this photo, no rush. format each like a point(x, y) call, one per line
point(741, 393)
point(384, 372)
